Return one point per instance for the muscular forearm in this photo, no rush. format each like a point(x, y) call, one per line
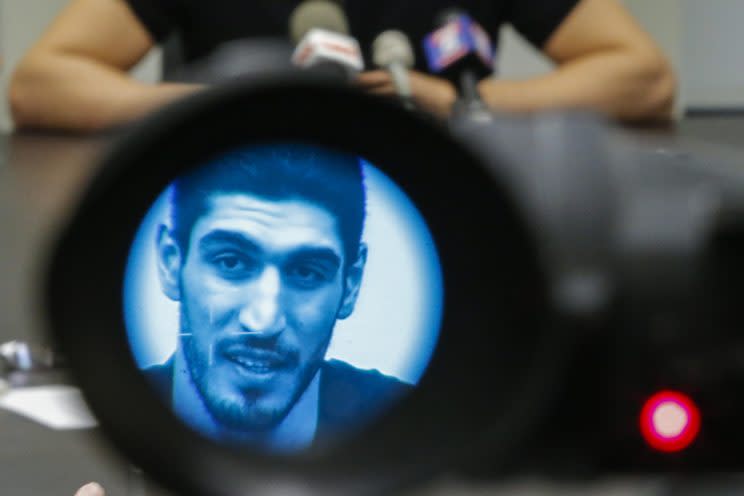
point(74, 93)
point(621, 84)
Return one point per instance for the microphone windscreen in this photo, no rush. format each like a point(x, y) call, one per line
point(320, 14)
point(459, 42)
point(390, 47)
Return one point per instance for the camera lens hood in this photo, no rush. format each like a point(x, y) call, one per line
point(494, 364)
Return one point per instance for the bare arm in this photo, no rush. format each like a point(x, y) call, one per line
point(606, 62)
point(75, 77)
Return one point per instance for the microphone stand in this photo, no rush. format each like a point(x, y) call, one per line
point(470, 105)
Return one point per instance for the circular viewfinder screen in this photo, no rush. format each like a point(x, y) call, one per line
point(283, 295)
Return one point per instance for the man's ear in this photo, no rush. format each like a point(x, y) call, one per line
point(353, 282)
point(169, 261)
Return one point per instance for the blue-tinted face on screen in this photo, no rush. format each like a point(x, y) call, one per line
point(283, 295)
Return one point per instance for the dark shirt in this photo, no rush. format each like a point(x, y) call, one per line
point(204, 25)
point(349, 397)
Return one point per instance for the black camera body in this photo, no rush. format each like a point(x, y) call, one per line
point(642, 247)
point(582, 274)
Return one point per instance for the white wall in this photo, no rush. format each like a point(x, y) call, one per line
point(713, 44)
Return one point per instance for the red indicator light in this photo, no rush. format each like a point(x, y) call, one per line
point(670, 421)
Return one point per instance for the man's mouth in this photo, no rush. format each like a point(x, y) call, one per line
point(257, 362)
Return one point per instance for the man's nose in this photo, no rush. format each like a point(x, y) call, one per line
point(262, 312)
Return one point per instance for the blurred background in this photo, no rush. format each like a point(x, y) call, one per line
point(703, 40)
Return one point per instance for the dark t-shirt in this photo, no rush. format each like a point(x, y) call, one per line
point(204, 25)
point(349, 398)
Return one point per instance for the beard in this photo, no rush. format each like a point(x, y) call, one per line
point(249, 411)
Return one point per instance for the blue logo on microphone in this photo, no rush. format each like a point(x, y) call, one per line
point(454, 41)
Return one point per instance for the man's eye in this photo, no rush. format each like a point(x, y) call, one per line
point(233, 265)
point(229, 263)
point(306, 276)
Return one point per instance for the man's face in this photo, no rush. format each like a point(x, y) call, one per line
point(260, 289)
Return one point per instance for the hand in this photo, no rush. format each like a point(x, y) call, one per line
point(430, 93)
point(91, 489)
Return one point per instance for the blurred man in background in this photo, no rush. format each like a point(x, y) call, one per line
point(75, 77)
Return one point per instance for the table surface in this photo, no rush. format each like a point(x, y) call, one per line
point(41, 175)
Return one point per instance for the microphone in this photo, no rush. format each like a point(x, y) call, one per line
point(392, 50)
point(321, 31)
point(461, 51)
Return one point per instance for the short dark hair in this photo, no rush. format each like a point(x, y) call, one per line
point(330, 179)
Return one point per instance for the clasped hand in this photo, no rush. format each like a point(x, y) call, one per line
point(430, 93)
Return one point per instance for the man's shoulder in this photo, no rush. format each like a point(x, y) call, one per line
point(371, 382)
point(160, 377)
point(349, 396)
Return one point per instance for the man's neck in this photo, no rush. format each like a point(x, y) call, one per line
point(294, 433)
